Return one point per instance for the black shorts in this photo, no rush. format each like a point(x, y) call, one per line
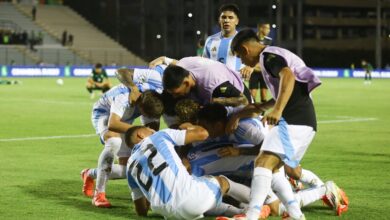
point(257, 81)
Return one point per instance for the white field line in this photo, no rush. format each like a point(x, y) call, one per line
point(48, 137)
point(47, 101)
point(346, 120)
point(93, 135)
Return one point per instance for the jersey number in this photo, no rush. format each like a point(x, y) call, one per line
point(155, 170)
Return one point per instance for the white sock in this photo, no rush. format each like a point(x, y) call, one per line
point(310, 178)
point(118, 172)
point(238, 191)
point(106, 160)
point(272, 197)
point(283, 190)
point(225, 210)
point(261, 185)
point(308, 196)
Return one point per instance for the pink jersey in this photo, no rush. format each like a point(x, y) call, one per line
point(208, 75)
point(302, 73)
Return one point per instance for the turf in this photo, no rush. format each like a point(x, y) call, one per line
point(40, 178)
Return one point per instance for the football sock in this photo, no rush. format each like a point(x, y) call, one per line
point(310, 178)
point(306, 197)
point(118, 172)
point(225, 210)
point(261, 185)
point(283, 190)
point(105, 162)
point(238, 191)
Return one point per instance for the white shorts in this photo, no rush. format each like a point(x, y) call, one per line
point(201, 195)
point(289, 142)
point(100, 123)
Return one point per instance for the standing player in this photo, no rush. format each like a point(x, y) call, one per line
point(293, 116)
point(98, 80)
point(256, 80)
point(204, 80)
point(112, 115)
point(217, 46)
point(157, 176)
point(368, 69)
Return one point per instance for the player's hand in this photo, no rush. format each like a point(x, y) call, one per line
point(229, 152)
point(246, 72)
point(232, 124)
point(157, 61)
point(272, 118)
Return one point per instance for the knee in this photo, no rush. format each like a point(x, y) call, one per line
point(267, 160)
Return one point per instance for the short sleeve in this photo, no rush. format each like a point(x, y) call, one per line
point(178, 136)
point(120, 104)
point(274, 63)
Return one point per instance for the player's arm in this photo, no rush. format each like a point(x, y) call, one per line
point(250, 111)
point(141, 206)
point(116, 125)
point(277, 67)
point(194, 133)
point(162, 60)
point(227, 94)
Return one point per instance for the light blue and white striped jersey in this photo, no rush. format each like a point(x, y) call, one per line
point(217, 48)
point(205, 160)
point(156, 171)
point(115, 100)
point(149, 79)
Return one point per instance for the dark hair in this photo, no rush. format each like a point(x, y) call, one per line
point(201, 42)
point(169, 103)
point(230, 7)
point(187, 110)
point(174, 76)
point(151, 104)
point(212, 113)
point(244, 35)
point(98, 65)
point(129, 133)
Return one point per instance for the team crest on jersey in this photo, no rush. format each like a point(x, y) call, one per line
point(223, 89)
point(214, 49)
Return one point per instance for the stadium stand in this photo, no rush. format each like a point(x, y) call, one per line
point(90, 43)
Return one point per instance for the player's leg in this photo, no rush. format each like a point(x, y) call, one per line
point(254, 84)
point(112, 145)
point(303, 175)
point(263, 88)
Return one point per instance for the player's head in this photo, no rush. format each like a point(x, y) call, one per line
point(136, 134)
point(176, 81)
point(228, 18)
point(98, 68)
point(245, 45)
point(213, 117)
point(150, 104)
point(187, 110)
point(263, 29)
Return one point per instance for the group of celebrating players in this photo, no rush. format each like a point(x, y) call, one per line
point(223, 154)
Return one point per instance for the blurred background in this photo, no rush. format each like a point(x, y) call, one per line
point(331, 34)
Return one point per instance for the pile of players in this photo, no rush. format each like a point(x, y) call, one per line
point(223, 154)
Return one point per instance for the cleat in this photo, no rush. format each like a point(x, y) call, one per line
point(336, 198)
point(100, 200)
point(88, 183)
point(326, 202)
point(265, 212)
point(344, 197)
point(341, 209)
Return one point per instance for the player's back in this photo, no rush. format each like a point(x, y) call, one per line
point(149, 79)
point(105, 102)
point(158, 171)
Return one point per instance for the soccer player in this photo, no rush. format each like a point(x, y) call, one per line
point(157, 176)
point(368, 69)
point(292, 116)
point(256, 80)
point(217, 46)
point(112, 115)
point(98, 80)
point(204, 80)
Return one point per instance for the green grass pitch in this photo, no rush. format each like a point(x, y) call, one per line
point(40, 177)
